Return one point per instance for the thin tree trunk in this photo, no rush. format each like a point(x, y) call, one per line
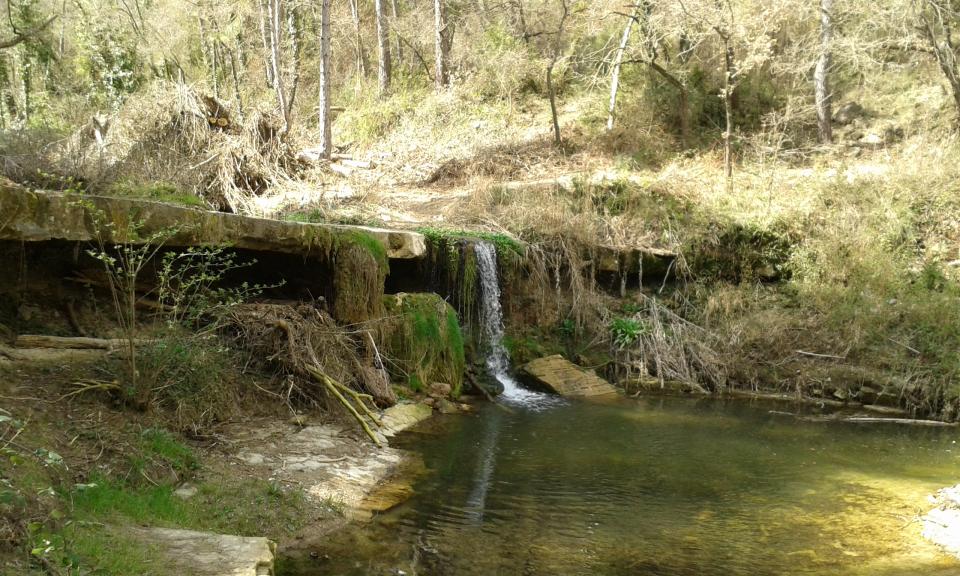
point(615, 73)
point(384, 69)
point(728, 109)
point(358, 41)
point(398, 47)
point(275, 9)
point(293, 30)
point(265, 37)
point(821, 81)
point(551, 94)
point(441, 73)
point(326, 132)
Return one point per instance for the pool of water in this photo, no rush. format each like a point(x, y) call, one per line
point(670, 487)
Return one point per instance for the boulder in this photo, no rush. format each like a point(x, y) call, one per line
point(446, 407)
point(440, 390)
point(566, 378)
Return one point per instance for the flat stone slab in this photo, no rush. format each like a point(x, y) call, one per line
point(566, 378)
point(208, 554)
point(33, 216)
point(333, 465)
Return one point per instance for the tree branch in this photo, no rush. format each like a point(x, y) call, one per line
point(20, 37)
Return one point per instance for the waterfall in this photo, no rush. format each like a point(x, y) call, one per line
point(491, 315)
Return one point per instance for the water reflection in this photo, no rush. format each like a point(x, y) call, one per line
point(486, 463)
point(662, 487)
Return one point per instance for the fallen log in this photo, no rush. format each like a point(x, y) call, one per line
point(910, 421)
point(49, 355)
point(74, 342)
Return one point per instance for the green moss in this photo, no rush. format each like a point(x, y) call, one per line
point(360, 267)
point(368, 242)
point(503, 243)
point(421, 332)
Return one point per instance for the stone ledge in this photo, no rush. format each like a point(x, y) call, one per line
point(33, 216)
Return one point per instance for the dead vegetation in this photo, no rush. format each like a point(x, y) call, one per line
point(317, 359)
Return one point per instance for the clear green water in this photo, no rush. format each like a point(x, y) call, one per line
point(669, 487)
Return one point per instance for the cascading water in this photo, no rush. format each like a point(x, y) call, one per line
point(491, 315)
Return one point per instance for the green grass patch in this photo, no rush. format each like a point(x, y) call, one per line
point(247, 507)
point(157, 191)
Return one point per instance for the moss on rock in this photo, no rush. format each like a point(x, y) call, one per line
point(421, 334)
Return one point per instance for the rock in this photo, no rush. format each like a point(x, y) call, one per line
point(298, 420)
point(208, 554)
point(186, 491)
point(870, 140)
point(848, 113)
point(251, 458)
point(942, 524)
point(446, 407)
point(567, 379)
point(402, 416)
point(440, 390)
point(465, 407)
point(430, 401)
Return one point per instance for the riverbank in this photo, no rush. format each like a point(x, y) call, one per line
point(85, 481)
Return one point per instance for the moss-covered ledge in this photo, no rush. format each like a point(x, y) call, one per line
point(35, 216)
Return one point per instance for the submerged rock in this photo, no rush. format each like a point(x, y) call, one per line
point(566, 378)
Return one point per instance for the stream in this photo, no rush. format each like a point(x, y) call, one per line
point(656, 486)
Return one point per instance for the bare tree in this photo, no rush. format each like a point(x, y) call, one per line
point(556, 48)
point(821, 80)
point(361, 55)
point(265, 38)
point(398, 47)
point(326, 131)
point(275, 17)
point(293, 31)
point(615, 71)
point(441, 71)
point(937, 18)
point(384, 69)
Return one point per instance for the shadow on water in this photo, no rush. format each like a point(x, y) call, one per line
point(662, 487)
